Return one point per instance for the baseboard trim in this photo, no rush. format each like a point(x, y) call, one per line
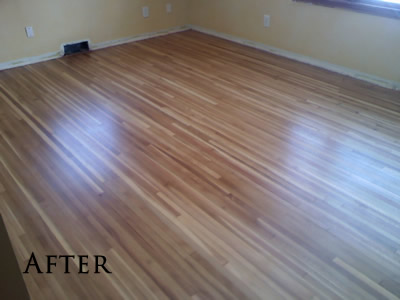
point(304, 59)
point(139, 37)
point(93, 46)
point(30, 60)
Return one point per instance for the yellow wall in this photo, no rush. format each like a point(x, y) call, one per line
point(358, 41)
point(60, 21)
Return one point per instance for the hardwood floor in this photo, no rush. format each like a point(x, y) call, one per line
point(201, 169)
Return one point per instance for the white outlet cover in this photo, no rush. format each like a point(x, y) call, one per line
point(169, 8)
point(145, 11)
point(29, 32)
point(267, 20)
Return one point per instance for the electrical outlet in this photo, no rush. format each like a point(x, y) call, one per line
point(145, 11)
point(169, 8)
point(267, 20)
point(29, 32)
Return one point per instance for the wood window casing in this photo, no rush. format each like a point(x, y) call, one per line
point(375, 7)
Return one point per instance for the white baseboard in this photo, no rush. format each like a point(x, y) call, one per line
point(304, 59)
point(52, 55)
point(139, 37)
point(30, 60)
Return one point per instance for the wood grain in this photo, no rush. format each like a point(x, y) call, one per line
point(202, 169)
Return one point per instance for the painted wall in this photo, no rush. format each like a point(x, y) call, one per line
point(358, 41)
point(60, 21)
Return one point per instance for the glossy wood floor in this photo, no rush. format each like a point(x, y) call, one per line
point(202, 169)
